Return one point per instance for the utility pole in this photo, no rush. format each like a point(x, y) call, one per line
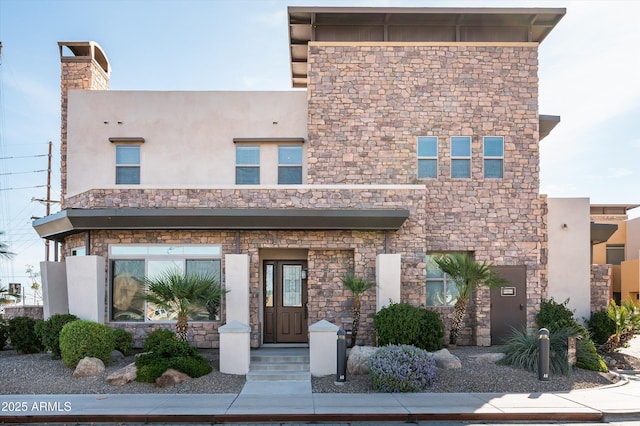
point(48, 202)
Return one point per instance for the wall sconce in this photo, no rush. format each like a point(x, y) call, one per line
point(565, 226)
point(303, 274)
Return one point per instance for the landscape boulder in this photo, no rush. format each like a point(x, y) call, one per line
point(171, 377)
point(358, 361)
point(89, 366)
point(123, 376)
point(115, 357)
point(446, 360)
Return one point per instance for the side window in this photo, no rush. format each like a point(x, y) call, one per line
point(615, 254)
point(247, 165)
point(441, 290)
point(461, 157)
point(493, 156)
point(127, 164)
point(289, 164)
point(427, 157)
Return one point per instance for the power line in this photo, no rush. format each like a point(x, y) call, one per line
point(23, 187)
point(22, 173)
point(24, 156)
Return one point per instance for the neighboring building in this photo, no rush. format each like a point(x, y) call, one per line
point(421, 137)
point(621, 250)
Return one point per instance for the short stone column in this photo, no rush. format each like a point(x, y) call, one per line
point(235, 349)
point(54, 288)
point(323, 347)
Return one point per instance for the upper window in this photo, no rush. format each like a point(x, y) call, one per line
point(127, 164)
point(615, 254)
point(441, 290)
point(493, 156)
point(130, 264)
point(289, 164)
point(427, 157)
point(461, 157)
point(247, 165)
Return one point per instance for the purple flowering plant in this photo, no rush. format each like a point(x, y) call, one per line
point(401, 368)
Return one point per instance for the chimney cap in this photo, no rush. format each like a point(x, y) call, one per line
point(85, 50)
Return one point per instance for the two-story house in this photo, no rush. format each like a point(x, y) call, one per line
point(416, 132)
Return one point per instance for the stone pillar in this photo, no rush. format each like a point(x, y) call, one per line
point(54, 288)
point(86, 287)
point(323, 346)
point(388, 278)
point(237, 281)
point(235, 348)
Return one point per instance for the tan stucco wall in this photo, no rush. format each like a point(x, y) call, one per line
point(569, 257)
point(618, 237)
point(630, 279)
point(633, 239)
point(188, 135)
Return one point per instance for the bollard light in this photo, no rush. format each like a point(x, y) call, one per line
point(543, 354)
point(341, 374)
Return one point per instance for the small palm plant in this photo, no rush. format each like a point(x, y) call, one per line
point(176, 291)
point(467, 274)
point(626, 318)
point(358, 286)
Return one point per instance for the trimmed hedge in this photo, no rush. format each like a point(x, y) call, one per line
point(23, 337)
point(50, 332)
point(82, 338)
point(404, 324)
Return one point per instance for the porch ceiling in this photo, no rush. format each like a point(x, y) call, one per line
point(72, 221)
point(600, 232)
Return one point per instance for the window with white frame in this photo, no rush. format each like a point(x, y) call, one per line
point(127, 164)
point(131, 263)
point(289, 164)
point(460, 157)
point(427, 157)
point(441, 290)
point(247, 165)
point(493, 156)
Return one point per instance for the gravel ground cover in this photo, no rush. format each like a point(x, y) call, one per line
point(39, 374)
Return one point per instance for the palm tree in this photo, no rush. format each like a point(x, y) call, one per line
point(176, 291)
point(357, 286)
point(4, 250)
point(467, 274)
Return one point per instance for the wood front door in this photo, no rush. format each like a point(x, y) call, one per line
point(285, 301)
point(508, 303)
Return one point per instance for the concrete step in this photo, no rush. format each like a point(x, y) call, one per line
point(255, 376)
point(279, 366)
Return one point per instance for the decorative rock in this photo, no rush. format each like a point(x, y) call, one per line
point(171, 377)
point(116, 356)
point(89, 367)
point(444, 359)
point(123, 376)
point(358, 361)
point(488, 357)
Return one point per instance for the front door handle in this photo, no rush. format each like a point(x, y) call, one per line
point(306, 310)
point(521, 307)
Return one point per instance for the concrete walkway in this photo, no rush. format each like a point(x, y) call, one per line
point(291, 404)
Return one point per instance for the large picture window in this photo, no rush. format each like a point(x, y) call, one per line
point(441, 290)
point(130, 264)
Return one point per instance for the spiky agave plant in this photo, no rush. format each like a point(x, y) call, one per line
point(467, 274)
point(357, 286)
point(176, 291)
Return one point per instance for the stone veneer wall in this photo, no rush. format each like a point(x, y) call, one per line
point(374, 100)
point(601, 291)
point(36, 312)
point(77, 73)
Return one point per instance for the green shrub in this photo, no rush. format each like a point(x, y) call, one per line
point(4, 334)
point(521, 351)
point(157, 337)
point(171, 353)
point(23, 336)
point(555, 316)
point(50, 332)
point(587, 356)
point(403, 324)
point(122, 340)
point(401, 368)
point(601, 326)
point(81, 338)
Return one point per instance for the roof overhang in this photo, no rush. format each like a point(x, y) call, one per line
point(546, 124)
point(412, 24)
point(601, 232)
point(72, 221)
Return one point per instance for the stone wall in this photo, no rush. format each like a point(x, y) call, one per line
point(601, 291)
point(35, 312)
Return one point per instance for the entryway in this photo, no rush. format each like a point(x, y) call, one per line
point(508, 303)
point(285, 301)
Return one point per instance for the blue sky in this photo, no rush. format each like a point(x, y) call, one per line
point(589, 75)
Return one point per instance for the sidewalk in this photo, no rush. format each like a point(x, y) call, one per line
point(300, 405)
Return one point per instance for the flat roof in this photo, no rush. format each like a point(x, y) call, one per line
point(423, 24)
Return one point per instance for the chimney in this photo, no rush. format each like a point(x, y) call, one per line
point(84, 66)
